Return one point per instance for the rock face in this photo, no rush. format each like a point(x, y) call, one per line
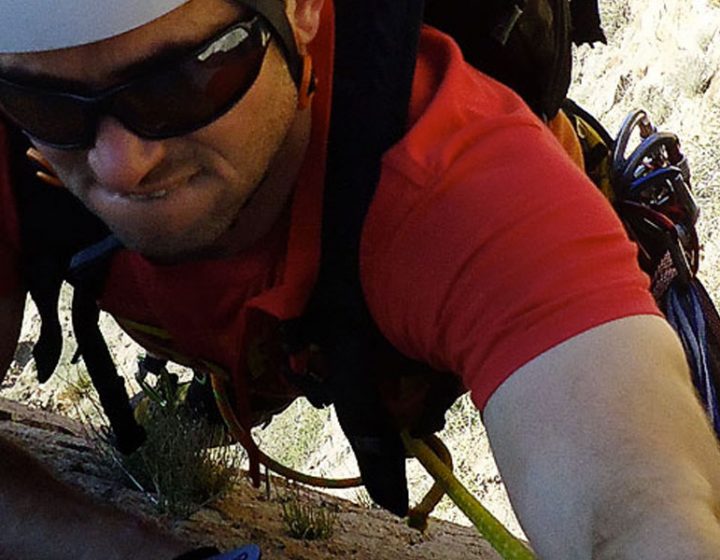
point(246, 514)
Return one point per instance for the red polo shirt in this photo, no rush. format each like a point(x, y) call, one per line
point(484, 246)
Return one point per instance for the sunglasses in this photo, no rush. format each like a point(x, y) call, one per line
point(188, 94)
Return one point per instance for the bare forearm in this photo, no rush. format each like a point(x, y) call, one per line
point(623, 494)
point(663, 502)
point(617, 461)
point(44, 518)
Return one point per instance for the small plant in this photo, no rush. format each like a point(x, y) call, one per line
point(177, 463)
point(181, 466)
point(306, 520)
point(79, 388)
point(363, 499)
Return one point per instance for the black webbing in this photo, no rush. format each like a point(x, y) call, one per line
point(54, 225)
point(110, 387)
point(375, 51)
point(586, 25)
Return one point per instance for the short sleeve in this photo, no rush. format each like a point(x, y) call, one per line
point(505, 251)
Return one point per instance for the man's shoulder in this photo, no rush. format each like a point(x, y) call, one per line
point(444, 81)
point(456, 110)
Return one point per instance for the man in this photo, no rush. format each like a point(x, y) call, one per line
point(485, 252)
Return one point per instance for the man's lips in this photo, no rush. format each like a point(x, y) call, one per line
point(152, 192)
point(152, 195)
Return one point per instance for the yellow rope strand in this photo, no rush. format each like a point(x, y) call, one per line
point(509, 547)
point(418, 515)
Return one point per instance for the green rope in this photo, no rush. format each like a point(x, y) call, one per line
point(508, 546)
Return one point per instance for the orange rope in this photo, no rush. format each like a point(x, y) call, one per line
point(417, 516)
point(241, 435)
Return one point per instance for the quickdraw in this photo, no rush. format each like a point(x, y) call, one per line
point(653, 197)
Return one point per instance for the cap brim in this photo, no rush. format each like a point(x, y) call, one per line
point(42, 25)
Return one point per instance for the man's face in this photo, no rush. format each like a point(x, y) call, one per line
point(209, 192)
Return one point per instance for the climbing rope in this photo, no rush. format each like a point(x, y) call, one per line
point(240, 434)
point(431, 453)
point(685, 313)
point(494, 532)
point(417, 516)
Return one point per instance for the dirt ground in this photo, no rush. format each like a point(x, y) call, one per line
point(246, 514)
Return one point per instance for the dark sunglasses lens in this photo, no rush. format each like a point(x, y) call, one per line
point(189, 96)
point(53, 119)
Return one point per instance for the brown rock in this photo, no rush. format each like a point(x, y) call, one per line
point(245, 514)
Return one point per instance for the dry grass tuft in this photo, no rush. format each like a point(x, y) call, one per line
point(306, 520)
point(178, 465)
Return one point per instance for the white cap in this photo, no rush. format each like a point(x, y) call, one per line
point(41, 25)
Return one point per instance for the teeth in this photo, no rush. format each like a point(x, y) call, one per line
point(148, 196)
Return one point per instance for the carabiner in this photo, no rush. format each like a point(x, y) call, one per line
point(657, 234)
point(637, 119)
point(164, 392)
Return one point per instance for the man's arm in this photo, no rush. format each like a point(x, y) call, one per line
point(606, 452)
point(40, 517)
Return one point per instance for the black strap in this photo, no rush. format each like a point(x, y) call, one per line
point(586, 25)
point(101, 369)
point(54, 226)
point(201, 553)
point(48, 348)
point(375, 62)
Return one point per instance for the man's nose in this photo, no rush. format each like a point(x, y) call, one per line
point(120, 160)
